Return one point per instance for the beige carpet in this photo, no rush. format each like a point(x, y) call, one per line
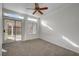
point(36, 47)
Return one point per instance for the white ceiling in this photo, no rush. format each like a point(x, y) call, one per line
point(21, 7)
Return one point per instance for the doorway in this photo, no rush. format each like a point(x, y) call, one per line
point(12, 30)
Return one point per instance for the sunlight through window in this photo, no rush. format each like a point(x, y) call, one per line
point(44, 24)
point(65, 38)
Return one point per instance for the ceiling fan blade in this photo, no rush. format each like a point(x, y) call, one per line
point(34, 12)
point(43, 8)
point(30, 8)
point(40, 12)
point(36, 5)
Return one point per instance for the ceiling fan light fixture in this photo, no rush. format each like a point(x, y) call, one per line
point(38, 9)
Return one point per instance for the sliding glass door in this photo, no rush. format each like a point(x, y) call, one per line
point(18, 30)
point(12, 30)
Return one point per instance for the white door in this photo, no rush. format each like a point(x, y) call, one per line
point(12, 31)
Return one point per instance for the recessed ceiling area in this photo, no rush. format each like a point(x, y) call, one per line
point(22, 7)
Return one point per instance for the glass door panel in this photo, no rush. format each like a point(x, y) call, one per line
point(18, 31)
point(8, 30)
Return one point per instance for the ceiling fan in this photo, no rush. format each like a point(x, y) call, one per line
point(37, 8)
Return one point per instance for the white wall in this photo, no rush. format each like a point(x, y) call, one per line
point(64, 21)
point(0, 29)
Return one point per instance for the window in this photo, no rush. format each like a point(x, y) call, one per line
point(32, 26)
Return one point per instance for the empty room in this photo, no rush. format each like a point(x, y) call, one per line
point(40, 29)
